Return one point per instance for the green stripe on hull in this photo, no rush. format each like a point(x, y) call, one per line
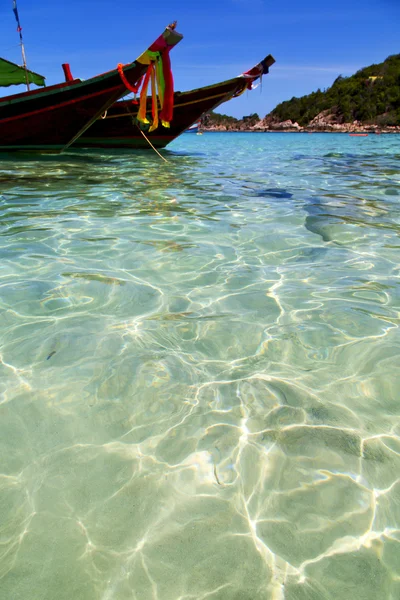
point(118, 142)
point(46, 147)
point(107, 140)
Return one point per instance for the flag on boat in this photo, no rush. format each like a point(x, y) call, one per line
point(15, 10)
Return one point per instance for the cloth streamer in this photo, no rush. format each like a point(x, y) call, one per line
point(159, 75)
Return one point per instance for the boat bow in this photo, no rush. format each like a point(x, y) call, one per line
point(53, 118)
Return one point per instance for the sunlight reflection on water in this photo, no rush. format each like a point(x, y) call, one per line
point(199, 371)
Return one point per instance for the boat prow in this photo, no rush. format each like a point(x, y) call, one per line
point(52, 118)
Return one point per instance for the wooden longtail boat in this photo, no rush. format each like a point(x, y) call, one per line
point(52, 118)
point(120, 128)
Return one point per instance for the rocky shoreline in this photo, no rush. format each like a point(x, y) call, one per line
point(325, 122)
point(289, 127)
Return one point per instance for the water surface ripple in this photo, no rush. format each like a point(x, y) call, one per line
point(199, 371)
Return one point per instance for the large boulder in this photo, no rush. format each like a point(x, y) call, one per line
point(285, 126)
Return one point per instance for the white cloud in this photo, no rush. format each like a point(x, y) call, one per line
point(317, 68)
point(307, 71)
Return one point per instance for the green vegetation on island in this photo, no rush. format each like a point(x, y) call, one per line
point(216, 120)
point(372, 95)
point(370, 98)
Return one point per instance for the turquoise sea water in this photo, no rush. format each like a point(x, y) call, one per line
point(199, 371)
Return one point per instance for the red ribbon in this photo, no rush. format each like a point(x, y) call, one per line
point(166, 113)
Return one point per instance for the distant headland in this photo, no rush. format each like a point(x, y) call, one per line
point(366, 102)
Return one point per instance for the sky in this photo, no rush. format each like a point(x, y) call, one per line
point(312, 41)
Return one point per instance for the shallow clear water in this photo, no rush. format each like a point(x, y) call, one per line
point(199, 371)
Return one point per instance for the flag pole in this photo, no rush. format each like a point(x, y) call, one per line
point(19, 30)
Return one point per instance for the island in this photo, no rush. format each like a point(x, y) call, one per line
point(366, 102)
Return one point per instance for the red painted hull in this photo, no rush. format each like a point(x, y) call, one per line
point(120, 128)
point(50, 119)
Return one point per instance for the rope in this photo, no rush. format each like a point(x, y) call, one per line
point(176, 105)
point(131, 115)
point(9, 48)
point(149, 142)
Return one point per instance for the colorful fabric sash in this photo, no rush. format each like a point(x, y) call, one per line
point(159, 75)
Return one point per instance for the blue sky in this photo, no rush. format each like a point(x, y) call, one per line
point(312, 41)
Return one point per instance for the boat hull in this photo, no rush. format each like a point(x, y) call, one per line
point(120, 127)
point(49, 121)
point(52, 118)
